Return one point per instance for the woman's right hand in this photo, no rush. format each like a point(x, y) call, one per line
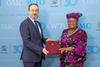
point(65, 49)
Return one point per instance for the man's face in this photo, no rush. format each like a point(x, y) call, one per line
point(33, 12)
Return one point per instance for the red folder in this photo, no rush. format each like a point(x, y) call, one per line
point(53, 47)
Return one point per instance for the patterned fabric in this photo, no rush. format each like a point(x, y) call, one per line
point(74, 15)
point(77, 56)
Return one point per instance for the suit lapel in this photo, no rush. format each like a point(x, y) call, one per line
point(40, 27)
point(31, 23)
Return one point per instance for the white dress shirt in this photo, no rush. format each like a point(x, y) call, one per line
point(34, 23)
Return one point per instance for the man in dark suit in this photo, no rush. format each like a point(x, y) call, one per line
point(31, 32)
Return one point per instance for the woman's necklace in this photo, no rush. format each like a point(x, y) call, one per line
point(72, 31)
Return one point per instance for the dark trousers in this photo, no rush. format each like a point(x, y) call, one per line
point(32, 64)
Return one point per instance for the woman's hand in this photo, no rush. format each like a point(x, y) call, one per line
point(66, 49)
point(70, 48)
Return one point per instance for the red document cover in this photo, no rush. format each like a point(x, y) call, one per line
point(53, 47)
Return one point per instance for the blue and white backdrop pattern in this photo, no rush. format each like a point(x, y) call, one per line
point(53, 20)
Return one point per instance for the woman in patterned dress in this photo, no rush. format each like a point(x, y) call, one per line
point(73, 43)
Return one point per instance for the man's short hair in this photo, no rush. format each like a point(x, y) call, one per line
point(32, 4)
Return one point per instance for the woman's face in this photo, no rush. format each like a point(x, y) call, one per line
point(72, 23)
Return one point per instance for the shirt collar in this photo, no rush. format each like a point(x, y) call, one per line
point(31, 19)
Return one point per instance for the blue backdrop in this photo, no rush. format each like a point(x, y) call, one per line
point(53, 20)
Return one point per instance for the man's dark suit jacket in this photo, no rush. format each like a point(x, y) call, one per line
point(32, 41)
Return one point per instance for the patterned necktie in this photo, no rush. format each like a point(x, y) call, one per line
point(37, 26)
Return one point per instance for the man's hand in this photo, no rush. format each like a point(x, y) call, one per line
point(45, 51)
point(62, 50)
point(48, 40)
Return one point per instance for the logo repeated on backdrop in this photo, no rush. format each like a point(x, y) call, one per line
point(53, 3)
point(63, 3)
point(40, 2)
point(15, 3)
point(70, 2)
point(98, 26)
point(3, 49)
point(93, 49)
point(7, 26)
point(16, 49)
point(85, 25)
point(21, 3)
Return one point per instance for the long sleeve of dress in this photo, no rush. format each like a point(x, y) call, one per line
point(63, 39)
point(80, 44)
